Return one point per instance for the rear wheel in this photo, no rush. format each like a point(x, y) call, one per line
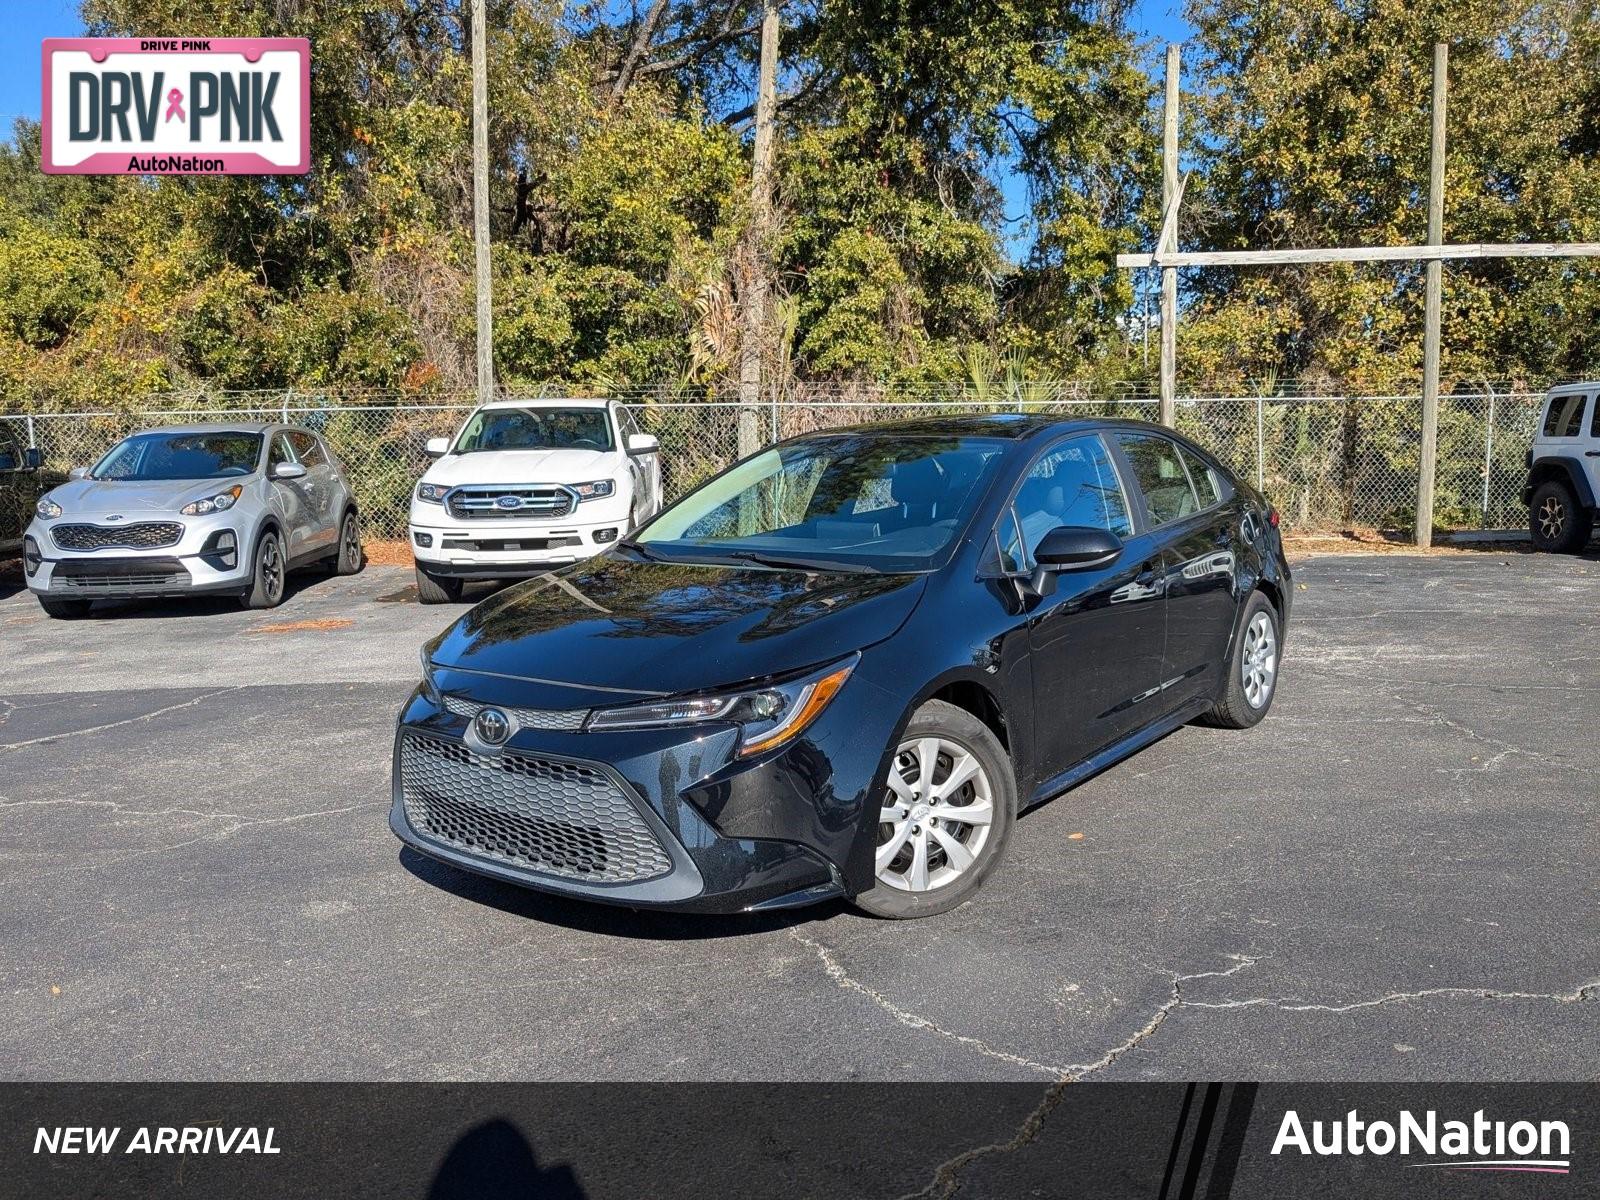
point(435, 589)
point(1556, 521)
point(272, 569)
point(945, 817)
point(64, 609)
point(1253, 670)
point(349, 560)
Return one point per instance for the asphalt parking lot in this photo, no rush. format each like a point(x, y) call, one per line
point(1392, 878)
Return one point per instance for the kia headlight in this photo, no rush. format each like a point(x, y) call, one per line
point(47, 508)
point(767, 715)
point(433, 493)
point(595, 490)
point(221, 502)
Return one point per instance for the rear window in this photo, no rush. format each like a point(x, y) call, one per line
point(1564, 417)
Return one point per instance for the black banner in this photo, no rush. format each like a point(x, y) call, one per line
point(605, 1141)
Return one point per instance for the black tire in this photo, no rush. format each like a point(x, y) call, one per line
point(1235, 709)
point(64, 609)
point(956, 726)
point(435, 589)
point(1556, 520)
point(269, 579)
point(350, 559)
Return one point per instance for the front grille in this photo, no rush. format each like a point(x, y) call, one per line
point(557, 818)
point(118, 574)
point(563, 720)
point(146, 535)
point(537, 501)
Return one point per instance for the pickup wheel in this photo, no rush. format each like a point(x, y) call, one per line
point(64, 610)
point(1555, 520)
point(435, 589)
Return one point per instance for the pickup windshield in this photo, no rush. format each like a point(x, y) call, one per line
point(148, 457)
point(536, 429)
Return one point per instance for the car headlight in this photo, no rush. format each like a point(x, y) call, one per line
point(768, 715)
point(433, 493)
point(429, 690)
point(595, 490)
point(47, 508)
point(221, 502)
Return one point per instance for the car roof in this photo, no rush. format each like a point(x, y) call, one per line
point(1582, 385)
point(217, 427)
point(550, 402)
point(1011, 426)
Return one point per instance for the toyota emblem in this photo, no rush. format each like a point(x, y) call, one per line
point(492, 726)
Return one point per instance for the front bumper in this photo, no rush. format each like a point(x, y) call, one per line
point(505, 547)
point(647, 818)
point(192, 565)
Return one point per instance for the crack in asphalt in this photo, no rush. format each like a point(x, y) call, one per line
point(56, 737)
point(1584, 991)
point(947, 1175)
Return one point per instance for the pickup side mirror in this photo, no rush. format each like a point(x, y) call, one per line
point(33, 458)
point(643, 443)
point(286, 470)
point(78, 473)
point(437, 447)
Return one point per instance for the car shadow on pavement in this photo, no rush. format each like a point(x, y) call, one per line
point(494, 1161)
point(612, 920)
point(167, 608)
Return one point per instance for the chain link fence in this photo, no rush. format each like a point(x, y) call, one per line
point(1327, 462)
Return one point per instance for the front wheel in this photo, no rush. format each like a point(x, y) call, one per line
point(945, 816)
point(437, 589)
point(1555, 521)
point(1253, 670)
point(272, 569)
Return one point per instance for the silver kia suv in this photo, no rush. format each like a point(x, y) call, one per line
point(190, 510)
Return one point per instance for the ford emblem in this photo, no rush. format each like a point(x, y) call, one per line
point(509, 502)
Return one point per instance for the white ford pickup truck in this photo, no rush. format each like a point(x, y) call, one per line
point(527, 485)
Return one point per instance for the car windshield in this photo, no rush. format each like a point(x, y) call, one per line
point(147, 457)
point(536, 429)
point(882, 502)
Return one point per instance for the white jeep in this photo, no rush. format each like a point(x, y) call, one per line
point(1564, 469)
point(527, 485)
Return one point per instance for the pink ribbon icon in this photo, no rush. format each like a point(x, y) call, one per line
point(175, 105)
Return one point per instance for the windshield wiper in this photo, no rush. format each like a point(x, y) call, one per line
point(642, 551)
point(796, 564)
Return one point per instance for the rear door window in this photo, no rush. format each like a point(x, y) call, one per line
point(1168, 494)
point(1207, 488)
point(1564, 417)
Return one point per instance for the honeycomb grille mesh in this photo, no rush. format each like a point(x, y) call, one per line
point(562, 720)
point(146, 535)
point(556, 818)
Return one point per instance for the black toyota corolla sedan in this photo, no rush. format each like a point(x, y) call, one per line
point(843, 667)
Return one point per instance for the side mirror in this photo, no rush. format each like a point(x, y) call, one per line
point(1077, 548)
point(78, 473)
point(437, 447)
point(643, 443)
point(33, 458)
point(287, 470)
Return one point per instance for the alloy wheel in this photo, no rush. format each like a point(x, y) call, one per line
point(1552, 517)
point(352, 539)
point(1259, 667)
point(272, 569)
point(936, 817)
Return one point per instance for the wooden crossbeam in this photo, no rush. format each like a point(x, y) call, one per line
point(1268, 258)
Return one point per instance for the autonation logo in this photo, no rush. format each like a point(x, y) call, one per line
point(1476, 1145)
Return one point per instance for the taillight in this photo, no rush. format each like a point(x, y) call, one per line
point(1272, 517)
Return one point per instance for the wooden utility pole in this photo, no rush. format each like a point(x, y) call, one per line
point(1169, 275)
point(1435, 285)
point(480, 201)
point(754, 328)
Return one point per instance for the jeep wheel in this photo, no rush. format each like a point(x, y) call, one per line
point(945, 815)
point(437, 589)
point(1555, 520)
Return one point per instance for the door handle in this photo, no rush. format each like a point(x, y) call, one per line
point(1591, 453)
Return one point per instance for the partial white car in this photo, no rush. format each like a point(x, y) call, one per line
point(529, 485)
point(1563, 481)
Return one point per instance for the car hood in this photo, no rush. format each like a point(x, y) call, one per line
point(524, 466)
point(652, 628)
point(103, 497)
